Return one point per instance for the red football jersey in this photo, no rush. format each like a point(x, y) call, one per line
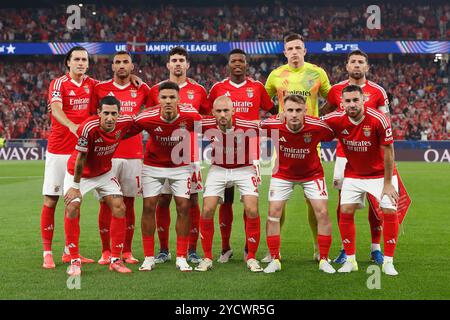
point(164, 136)
point(132, 99)
point(248, 97)
point(192, 94)
point(297, 155)
point(375, 97)
point(236, 148)
point(75, 98)
point(98, 144)
point(362, 142)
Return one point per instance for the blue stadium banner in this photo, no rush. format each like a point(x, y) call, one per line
point(253, 48)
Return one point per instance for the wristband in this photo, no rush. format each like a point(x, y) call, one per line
point(76, 185)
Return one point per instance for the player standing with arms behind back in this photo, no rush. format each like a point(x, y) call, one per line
point(249, 97)
point(68, 99)
point(308, 80)
point(366, 137)
point(127, 160)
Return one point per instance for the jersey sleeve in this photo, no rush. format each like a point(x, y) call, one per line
point(152, 97)
point(266, 101)
point(212, 95)
point(331, 97)
point(83, 140)
point(54, 93)
point(93, 101)
point(384, 132)
point(270, 85)
point(205, 105)
point(326, 133)
point(382, 101)
point(325, 85)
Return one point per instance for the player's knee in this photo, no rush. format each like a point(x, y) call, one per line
point(164, 200)
point(183, 207)
point(118, 210)
point(72, 210)
point(251, 212)
point(207, 212)
point(50, 201)
point(322, 216)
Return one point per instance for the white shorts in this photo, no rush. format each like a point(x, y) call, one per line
point(219, 179)
point(104, 185)
point(128, 172)
point(55, 171)
point(281, 190)
point(354, 191)
point(338, 174)
point(196, 181)
point(153, 179)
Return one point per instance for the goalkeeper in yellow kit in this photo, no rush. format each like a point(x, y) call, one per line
point(306, 79)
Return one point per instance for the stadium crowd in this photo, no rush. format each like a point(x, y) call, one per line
point(419, 106)
point(225, 23)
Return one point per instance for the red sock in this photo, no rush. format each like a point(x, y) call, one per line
point(104, 225)
point(206, 236)
point(253, 233)
point(130, 218)
point(163, 225)
point(47, 227)
point(118, 226)
point(390, 233)
point(376, 226)
point(324, 246)
point(182, 246)
point(194, 213)
point(225, 222)
point(273, 243)
point(149, 245)
point(347, 228)
point(72, 231)
point(245, 228)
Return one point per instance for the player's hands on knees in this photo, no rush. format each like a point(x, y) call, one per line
point(390, 191)
point(71, 195)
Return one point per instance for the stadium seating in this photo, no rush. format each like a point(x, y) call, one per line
point(230, 23)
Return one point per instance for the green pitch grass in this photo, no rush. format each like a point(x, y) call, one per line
point(422, 255)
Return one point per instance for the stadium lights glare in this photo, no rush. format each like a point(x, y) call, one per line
point(80, 5)
point(437, 57)
point(94, 13)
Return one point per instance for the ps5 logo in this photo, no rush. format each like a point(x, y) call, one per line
point(340, 47)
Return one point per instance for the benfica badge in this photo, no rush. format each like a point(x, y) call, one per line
point(250, 92)
point(183, 125)
point(133, 93)
point(367, 130)
point(366, 96)
point(190, 94)
point(307, 137)
point(118, 134)
point(86, 89)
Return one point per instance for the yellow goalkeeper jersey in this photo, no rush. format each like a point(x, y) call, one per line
point(309, 81)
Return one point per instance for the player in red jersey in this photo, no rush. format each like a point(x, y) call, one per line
point(89, 168)
point(366, 137)
point(234, 148)
point(169, 126)
point(249, 97)
point(375, 97)
point(127, 160)
point(68, 100)
point(193, 95)
point(298, 162)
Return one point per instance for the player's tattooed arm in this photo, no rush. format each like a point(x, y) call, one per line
point(61, 117)
point(388, 188)
point(74, 192)
point(327, 108)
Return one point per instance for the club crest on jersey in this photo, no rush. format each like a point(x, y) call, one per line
point(190, 94)
point(366, 96)
point(133, 93)
point(118, 134)
point(86, 89)
point(307, 137)
point(250, 92)
point(183, 125)
point(367, 130)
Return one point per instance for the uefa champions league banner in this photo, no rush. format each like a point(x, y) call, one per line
point(253, 48)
